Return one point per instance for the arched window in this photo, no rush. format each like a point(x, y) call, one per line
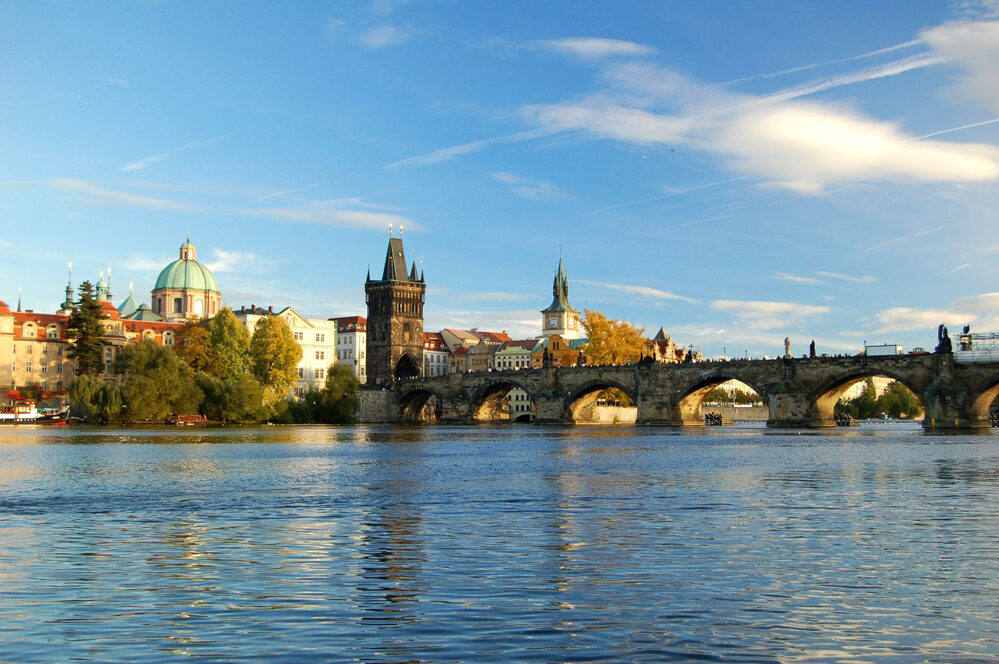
point(178, 305)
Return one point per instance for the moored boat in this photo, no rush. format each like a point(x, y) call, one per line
point(25, 412)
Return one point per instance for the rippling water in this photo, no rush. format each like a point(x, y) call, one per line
point(498, 544)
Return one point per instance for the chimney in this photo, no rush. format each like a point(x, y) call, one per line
point(242, 309)
point(253, 308)
point(270, 310)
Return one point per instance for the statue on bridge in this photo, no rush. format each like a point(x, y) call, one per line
point(787, 348)
point(811, 349)
point(944, 344)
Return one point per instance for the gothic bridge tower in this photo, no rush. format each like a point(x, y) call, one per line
point(395, 319)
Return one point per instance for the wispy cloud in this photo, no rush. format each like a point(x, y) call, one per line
point(116, 81)
point(533, 189)
point(334, 217)
point(229, 261)
point(163, 156)
point(644, 291)
point(896, 240)
point(784, 276)
point(446, 154)
point(592, 48)
point(763, 315)
point(959, 268)
point(492, 297)
point(142, 163)
point(93, 194)
point(866, 279)
point(287, 192)
point(383, 36)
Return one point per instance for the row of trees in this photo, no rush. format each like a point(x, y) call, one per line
point(896, 401)
point(216, 368)
point(737, 396)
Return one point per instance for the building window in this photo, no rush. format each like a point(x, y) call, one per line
point(301, 372)
point(59, 368)
point(320, 373)
point(320, 337)
point(27, 366)
point(59, 351)
point(320, 355)
point(45, 350)
point(30, 349)
point(45, 368)
point(299, 336)
point(178, 305)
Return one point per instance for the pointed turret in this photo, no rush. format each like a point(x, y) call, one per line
point(412, 273)
point(67, 305)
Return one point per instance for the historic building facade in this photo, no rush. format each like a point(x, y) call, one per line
point(395, 319)
point(352, 344)
point(186, 289)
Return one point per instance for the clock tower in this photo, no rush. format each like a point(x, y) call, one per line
point(560, 318)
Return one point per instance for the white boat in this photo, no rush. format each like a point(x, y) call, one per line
point(25, 412)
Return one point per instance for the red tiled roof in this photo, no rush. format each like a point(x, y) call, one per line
point(4, 309)
point(343, 324)
point(461, 351)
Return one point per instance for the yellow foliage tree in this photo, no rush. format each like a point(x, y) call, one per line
point(611, 341)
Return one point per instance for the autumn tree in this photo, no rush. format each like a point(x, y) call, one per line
point(86, 330)
point(611, 341)
point(230, 344)
point(194, 347)
point(157, 383)
point(274, 356)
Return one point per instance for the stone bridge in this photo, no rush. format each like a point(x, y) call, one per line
point(798, 392)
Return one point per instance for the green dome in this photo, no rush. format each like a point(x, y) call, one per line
point(186, 274)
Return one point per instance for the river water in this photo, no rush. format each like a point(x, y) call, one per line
point(498, 544)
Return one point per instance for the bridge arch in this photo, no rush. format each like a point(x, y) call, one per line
point(981, 399)
point(582, 402)
point(687, 411)
point(421, 405)
point(822, 401)
point(488, 401)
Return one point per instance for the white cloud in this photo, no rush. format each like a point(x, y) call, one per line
point(973, 46)
point(286, 192)
point(228, 261)
point(764, 315)
point(796, 279)
point(644, 291)
point(799, 145)
point(979, 310)
point(592, 48)
point(383, 36)
point(335, 217)
point(446, 154)
point(142, 163)
point(866, 279)
point(93, 194)
point(137, 263)
point(333, 26)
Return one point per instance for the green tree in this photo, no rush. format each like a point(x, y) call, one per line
point(157, 382)
point(899, 402)
point(863, 406)
point(86, 330)
point(717, 395)
point(230, 344)
point(274, 357)
point(100, 401)
point(611, 341)
point(235, 399)
point(194, 348)
point(339, 395)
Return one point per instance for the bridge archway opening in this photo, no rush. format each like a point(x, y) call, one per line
point(719, 400)
point(406, 368)
point(603, 403)
point(869, 396)
point(421, 406)
point(503, 401)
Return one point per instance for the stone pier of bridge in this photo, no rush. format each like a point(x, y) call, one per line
point(799, 393)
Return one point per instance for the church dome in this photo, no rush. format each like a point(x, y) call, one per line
point(186, 273)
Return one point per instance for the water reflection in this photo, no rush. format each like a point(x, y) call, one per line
point(491, 544)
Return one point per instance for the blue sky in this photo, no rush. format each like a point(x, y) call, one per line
point(736, 172)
